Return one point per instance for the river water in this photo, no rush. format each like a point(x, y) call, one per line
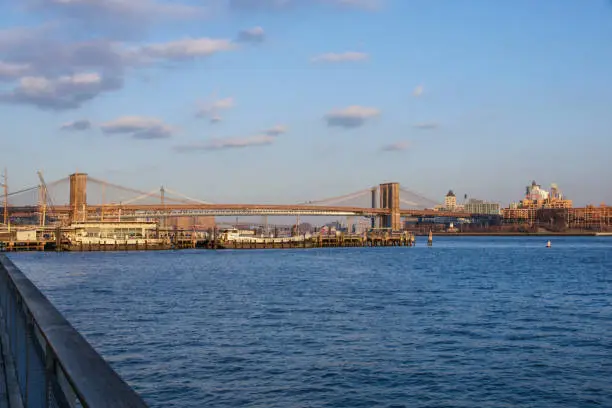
point(470, 322)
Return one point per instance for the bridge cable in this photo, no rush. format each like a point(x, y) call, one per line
point(194, 200)
point(149, 194)
point(339, 198)
point(420, 197)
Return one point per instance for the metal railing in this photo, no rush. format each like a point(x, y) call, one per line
point(51, 364)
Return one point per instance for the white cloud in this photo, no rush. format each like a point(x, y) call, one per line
point(119, 17)
point(134, 8)
point(418, 91)
point(395, 147)
point(40, 55)
point(227, 143)
point(138, 127)
point(252, 35)
point(351, 116)
point(426, 125)
point(258, 5)
point(261, 4)
point(362, 4)
point(20, 37)
point(224, 103)
point(211, 109)
point(188, 48)
point(46, 54)
point(276, 130)
point(65, 92)
point(82, 124)
point(11, 70)
point(348, 56)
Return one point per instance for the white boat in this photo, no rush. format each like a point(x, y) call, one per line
point(234, 235)
point(111, 234)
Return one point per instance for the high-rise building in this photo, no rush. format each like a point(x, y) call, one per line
point(537, 197)
point(450, 201)
point(535, 192)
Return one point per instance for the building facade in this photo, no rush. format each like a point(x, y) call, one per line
point(474, 206)
point(450, 201)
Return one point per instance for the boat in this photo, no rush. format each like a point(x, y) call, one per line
point(114, 235)
point(234, 235)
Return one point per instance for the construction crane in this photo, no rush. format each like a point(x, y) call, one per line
point(45, 199)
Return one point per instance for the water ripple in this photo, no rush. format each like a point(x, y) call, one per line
point(487, 322)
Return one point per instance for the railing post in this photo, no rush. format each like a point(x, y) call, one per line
point(48, 373)
point(46, 354)
point(26, 335)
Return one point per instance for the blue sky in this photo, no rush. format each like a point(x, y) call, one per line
point(294, 100)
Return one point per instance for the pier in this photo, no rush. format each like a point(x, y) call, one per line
point(44, 361)
point(374, 239)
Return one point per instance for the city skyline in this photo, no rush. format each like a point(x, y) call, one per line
point(289, 101)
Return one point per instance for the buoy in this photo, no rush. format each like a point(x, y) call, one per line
point(548, 244)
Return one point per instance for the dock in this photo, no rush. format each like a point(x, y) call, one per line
point(215, 241)
point(320, 241)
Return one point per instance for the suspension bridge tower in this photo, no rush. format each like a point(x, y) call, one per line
point(78, 197)
point(390, 200)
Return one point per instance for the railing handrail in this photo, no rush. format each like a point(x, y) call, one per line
point(93, 380)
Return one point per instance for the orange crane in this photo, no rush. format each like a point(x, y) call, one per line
point(45, 199)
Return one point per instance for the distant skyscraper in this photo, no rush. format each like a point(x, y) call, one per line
point(536, 193)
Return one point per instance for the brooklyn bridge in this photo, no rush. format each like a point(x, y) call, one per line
point(79, 198)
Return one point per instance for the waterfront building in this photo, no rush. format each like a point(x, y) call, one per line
point(189, 222)
point(537, 201)
point(475, 206)
point(536, 197)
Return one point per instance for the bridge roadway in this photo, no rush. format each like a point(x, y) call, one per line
point(189, 210)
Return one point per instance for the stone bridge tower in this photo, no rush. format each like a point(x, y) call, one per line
point(390, 200)
point(78, 197)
